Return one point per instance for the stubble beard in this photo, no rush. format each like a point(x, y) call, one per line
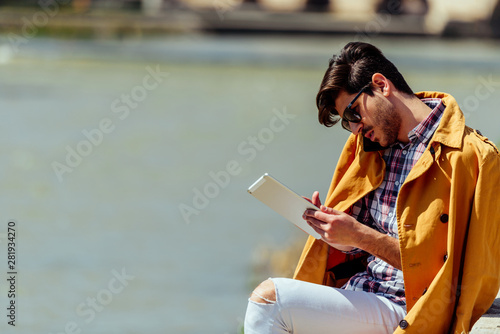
point(389, 122)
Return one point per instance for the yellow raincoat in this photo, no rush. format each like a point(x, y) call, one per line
point(455, 183)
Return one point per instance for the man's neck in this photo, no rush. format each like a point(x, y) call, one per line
point(413, 111)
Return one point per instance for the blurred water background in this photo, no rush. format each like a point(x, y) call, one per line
point(125, 164)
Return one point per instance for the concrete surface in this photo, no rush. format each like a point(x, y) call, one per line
point(489, 323)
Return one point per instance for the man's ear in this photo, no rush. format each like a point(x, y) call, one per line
point(381, 82)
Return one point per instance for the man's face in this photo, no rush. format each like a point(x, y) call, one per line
point(379, 120)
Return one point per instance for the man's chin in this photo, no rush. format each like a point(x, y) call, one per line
point(386, 141)
point(379, 141)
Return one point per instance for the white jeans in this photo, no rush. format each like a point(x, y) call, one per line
point(303, 307)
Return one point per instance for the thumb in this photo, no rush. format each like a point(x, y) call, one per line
point(325, 209)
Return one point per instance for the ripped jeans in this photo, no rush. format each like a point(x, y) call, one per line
point(303, 307)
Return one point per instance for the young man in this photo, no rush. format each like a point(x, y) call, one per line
point(410, 223)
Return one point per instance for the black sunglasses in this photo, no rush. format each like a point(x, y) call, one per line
point(350, 115)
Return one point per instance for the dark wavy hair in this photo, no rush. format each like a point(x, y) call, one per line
point(351, 70)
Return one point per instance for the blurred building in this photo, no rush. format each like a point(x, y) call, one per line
point(418, 17)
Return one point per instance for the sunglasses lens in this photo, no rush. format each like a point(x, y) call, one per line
point(351, 116)
point(345, 125)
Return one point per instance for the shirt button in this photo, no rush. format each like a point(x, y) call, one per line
point(403, 324)
point(396, 183)
point(404, 152)
point(444, 218)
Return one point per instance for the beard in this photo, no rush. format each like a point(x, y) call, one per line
point(388, 121)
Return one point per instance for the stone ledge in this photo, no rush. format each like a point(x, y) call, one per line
point(490, 322)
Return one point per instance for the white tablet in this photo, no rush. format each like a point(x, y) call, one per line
point(284, 201)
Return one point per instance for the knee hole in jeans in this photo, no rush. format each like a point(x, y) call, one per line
point(265, 293)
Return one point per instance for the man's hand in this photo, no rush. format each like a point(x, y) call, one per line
point(343, 232)
point(316, 201)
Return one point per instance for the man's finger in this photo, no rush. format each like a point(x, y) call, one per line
point(328, 210)
point(316, 225)
point(308, 213)
point(315, 199)
point(325, 216)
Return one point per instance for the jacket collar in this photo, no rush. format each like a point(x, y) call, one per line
point(450, 130)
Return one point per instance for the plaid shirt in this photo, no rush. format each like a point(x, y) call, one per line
point(378, 208)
